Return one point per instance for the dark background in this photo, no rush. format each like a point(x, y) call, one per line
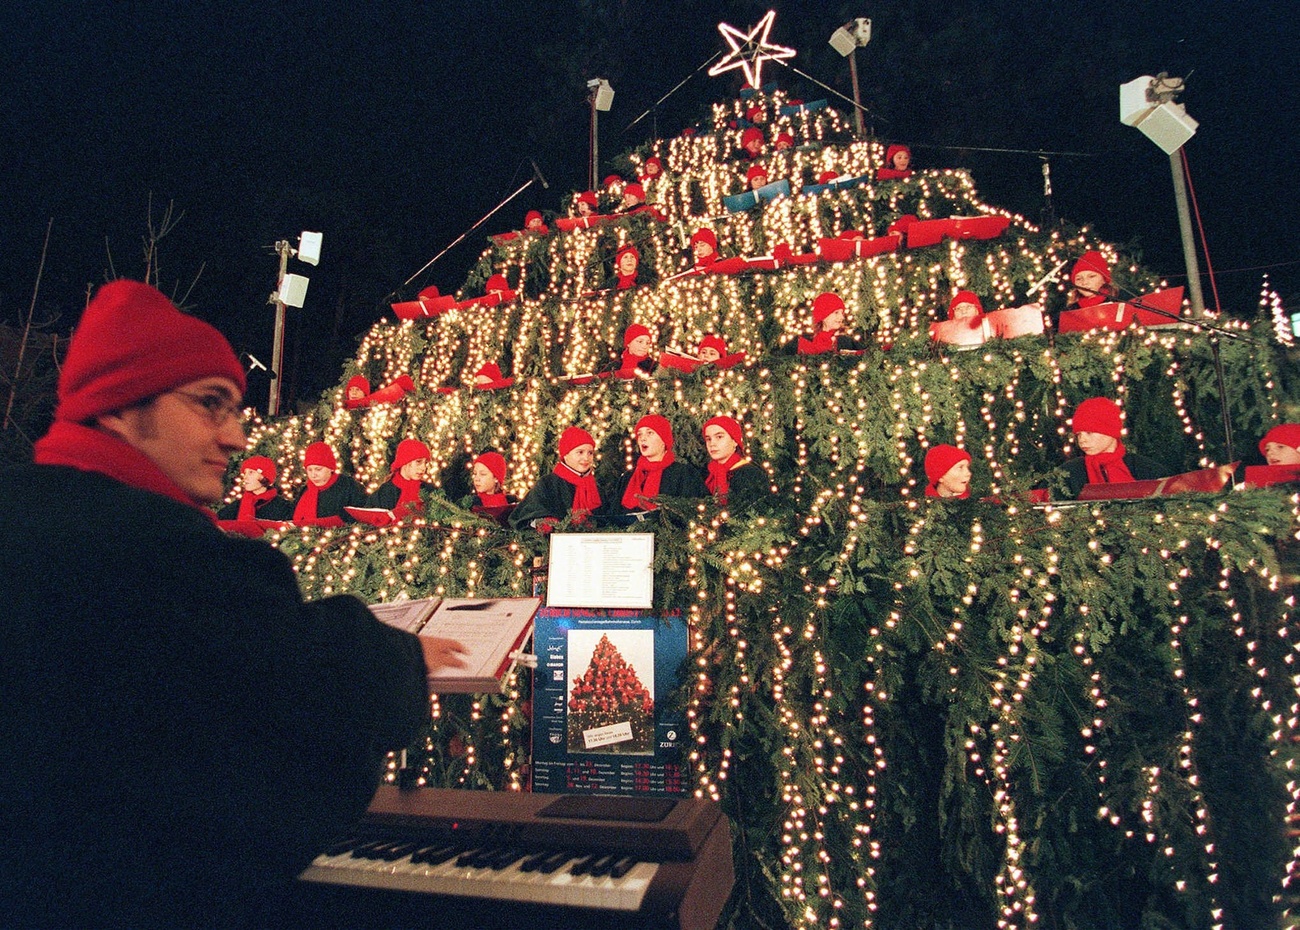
point(393, 127)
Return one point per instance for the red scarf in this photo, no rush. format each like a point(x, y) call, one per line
point(1092, 300)
point(626, 281)
point(823, 341)
point(88, 449)
point(249, 500)
point(645, 482)
point(586, 496)
point(932, 490)
point(716, 480)
point(305, 512)
point(492, 500)
point(1107, 467)
point(408, 502)
point(630, 361)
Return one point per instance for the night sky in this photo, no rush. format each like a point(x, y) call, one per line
point(393, 127)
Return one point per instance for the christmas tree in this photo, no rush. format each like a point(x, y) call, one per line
point(608, 694)
point(982, 713)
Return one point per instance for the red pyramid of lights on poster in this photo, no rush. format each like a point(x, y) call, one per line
point(607, 694)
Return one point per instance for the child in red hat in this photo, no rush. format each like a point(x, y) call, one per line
point(966, 305)
point(656, 471)
point(628, 270)
point(487, 475)
point(783, 141)
point(732, 479)
point(751, 142)
point(412, 464)
point(756, 177)
point(328, 492)
point(1098, 427)
point(653, 168)
point(948, 471)
point(258, 499)
point(1091, 281)
point(570, 488)
point(586, 204)
point(704, 248)
point(534, 223)
point(637, 353)
point(828, 315)
point(1281, 445)
point(898, 161)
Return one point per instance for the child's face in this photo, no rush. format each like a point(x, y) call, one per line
point(639, 346)
point(627, 265)
point(833, 322)
point(902, 160)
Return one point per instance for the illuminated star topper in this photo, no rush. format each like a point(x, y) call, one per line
point(749, 50)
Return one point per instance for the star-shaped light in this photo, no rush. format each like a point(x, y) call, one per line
point(750, 49)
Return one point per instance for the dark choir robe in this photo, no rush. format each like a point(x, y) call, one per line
point(500, 512)
point(1139, 466)
point(345, 492)
point(746, 483)
point(677, 480)
point(551, 497)
point(273, 508)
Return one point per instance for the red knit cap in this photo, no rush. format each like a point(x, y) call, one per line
point(494, 462)
point(964, 297)
point(408, 451)
point(784, 138)
point(940, 460)
point(731, 427)
point(754, 114)
point(713, 342)
point(660, 425)
point(752, 134)
point(430, 292)
point(892, 151)
point(1098, 415)
point(132, 344)
point(826, 304)
point(530, 216)
point(634, 190)
point(1091, 261)
point(754, 172)
point(632, 332)
point(260, 463)
point(589, 198)
point(611, 180)
point(497, 282)
point(705, 234)
point(626, 250)
point(573, 437)
point(1285, 434)
point(827, 176)
point(319, 453)
point(653, 166)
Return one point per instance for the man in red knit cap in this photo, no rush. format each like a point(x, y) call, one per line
point(182, 733)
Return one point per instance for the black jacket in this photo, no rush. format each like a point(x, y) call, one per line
point(1141, 467)
point(678, 480)
point(181, 732)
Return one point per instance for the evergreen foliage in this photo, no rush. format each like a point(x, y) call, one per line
point(916, 713)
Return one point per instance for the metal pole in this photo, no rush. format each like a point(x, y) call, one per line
point(1185, 225)
point(277, 345)
point(595, 143)
point(857, 96)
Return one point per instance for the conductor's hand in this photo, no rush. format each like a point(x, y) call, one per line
point(441, 653)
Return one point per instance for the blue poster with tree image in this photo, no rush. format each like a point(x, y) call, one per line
point(602, 723)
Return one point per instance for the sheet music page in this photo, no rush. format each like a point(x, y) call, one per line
point(409, 615)
point(487, 627)
point(614, 570)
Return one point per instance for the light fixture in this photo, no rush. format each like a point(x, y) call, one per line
point(290, 291)
point(846, 40)
point(601, 97)
point(1148, 103)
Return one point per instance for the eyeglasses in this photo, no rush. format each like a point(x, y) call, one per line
point(217, 407)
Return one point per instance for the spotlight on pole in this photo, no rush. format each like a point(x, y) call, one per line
point(602, 98)
point(1148, 103)
point(846, 40)
point(290, 291)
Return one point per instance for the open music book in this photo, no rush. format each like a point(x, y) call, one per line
point(492, 630)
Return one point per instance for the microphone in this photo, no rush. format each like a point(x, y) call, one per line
point(1046, 279)
point(537, 172)
point(253, 362)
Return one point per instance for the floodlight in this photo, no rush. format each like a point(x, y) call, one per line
point(1147, 103)
point(309, 247)
point(293, 290)
point(852, 35)
point(602, 94)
